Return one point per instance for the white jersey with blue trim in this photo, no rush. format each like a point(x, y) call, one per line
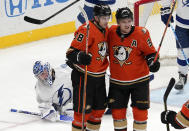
point(91, 3)
point(182, 15)
point(60, 92)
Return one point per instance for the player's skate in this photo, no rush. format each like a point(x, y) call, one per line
point(182, 81)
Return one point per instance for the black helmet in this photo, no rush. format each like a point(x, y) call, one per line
point(125, 12)
point(101, 10)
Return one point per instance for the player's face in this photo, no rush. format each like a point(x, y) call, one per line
point(103, 21)
point(125, 25)
point(43, 76)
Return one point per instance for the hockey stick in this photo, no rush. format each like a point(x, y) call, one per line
point(85, 81)
point(179, 44)
point(64, 118)
point(25, 112)
point(165, 30)
point(37, 21)
point(165, 96)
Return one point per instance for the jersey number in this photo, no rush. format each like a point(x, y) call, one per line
point(149, 42)
point(79, 37)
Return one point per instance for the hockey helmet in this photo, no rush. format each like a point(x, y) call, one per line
point(101, 10)
point(122, 13)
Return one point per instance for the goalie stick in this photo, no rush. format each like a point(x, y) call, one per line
point(37, 21)
point(64, 118)
point(165, 96)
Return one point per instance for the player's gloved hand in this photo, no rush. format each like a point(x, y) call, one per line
point(167, 116)
point(153, 66)
point(83, 58)
point(48, 112)
point(165, 12)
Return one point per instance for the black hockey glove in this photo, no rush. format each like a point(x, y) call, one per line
point(70, 64)
point(168, 117)
point(83, 58)
point(154, 67)
point(165, 12)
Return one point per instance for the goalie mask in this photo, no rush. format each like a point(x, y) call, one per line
point(43, 72)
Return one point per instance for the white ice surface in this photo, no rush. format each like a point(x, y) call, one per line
point(17, 87)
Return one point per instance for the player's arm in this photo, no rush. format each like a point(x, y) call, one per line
point(46, 109)
point(166, 3)
point(76, 53)
point(38, 98)
point(182, 117)
point(149, 51)
point(178, 120)
point(166, 11)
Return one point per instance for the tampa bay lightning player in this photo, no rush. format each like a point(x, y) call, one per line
point(53, 90)
point(182, 32)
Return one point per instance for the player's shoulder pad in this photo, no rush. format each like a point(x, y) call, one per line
point(64, 66)
point(82, 28)
point(141, 30)
point(112, 28)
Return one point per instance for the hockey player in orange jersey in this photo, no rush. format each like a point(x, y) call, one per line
point(96, 99)
point(131, 54)
point(178, 120)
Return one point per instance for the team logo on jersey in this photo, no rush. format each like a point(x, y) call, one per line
point(185, 3)
point(102, 50)
point(121, 53)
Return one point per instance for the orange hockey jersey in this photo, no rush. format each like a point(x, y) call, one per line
point(182, 117)
point(97, 47)
point(127, 55)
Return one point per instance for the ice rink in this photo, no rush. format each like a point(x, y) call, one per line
point(17, 88)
